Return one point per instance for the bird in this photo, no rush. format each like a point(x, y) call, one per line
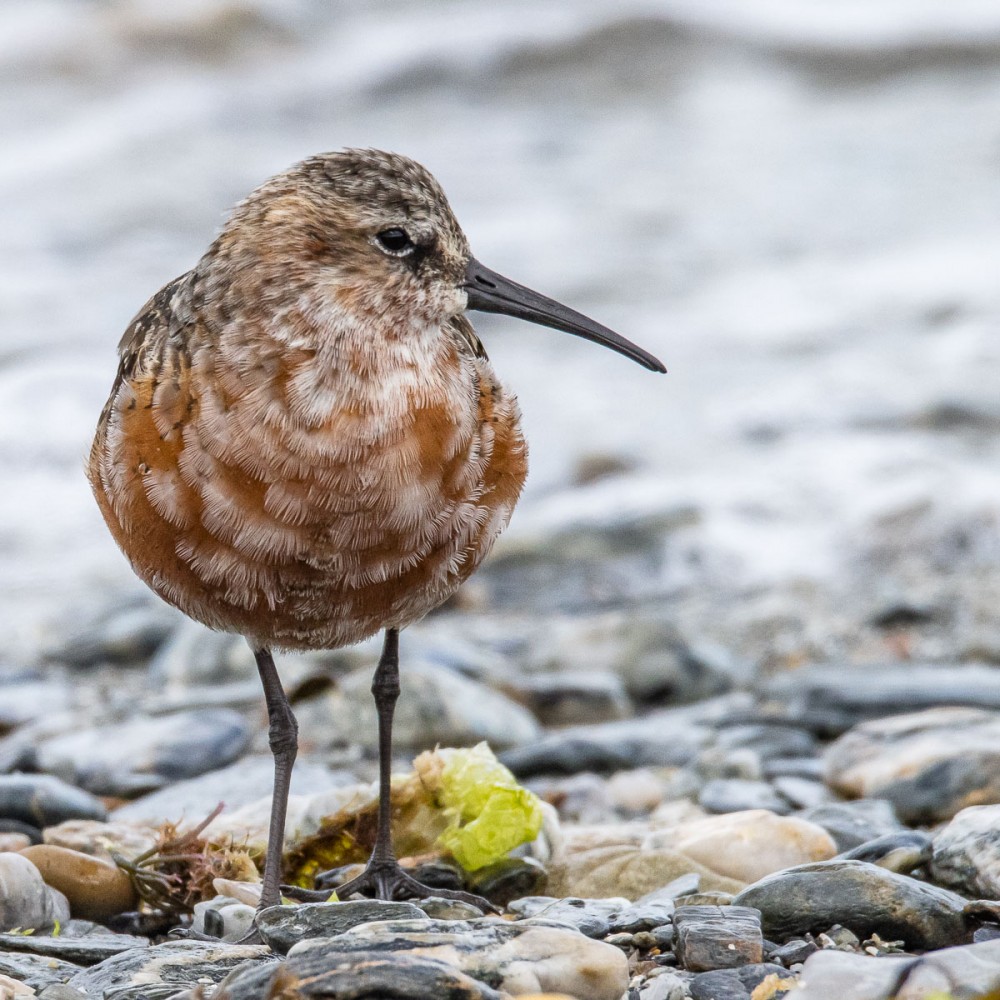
point(305, 443)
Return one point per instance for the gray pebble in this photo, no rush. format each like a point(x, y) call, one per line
point(966, 853)
point(89, 949)
point(852, 824)
point(642, 916)
point(43, 800)
point(733, 984)
point(591, 917)
point(725, 795)
point(717, 937)
point(898, 852)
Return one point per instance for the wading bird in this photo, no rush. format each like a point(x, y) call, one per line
point(305, 443)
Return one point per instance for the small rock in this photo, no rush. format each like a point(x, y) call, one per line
point(99, 840)
point(929, 764)
point(283, 926)
point(43, 800)
point(14, 843)
point(803, 793)
point(716, 937)
point(13, 989)
point(127, 635)
point(165, 748)
point(223, 917)
point(180, 963)
point(509, 878)
point(852, 824)
point(95, 889)
point(746, 845)
point(863, 897)
point(517, 957)
point(642, 916)
point(792, 952)
point(967, 852)
point(664, 987)
point(623, 941)
point(898, 852)
point(26, 902)
point(727, 795)
point(591, 917)
point(706, 899)
point(566, 699)
point(732, 984)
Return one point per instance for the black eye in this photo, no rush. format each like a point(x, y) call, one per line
point(395, 241)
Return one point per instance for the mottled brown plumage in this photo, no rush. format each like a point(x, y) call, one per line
point(305, 442)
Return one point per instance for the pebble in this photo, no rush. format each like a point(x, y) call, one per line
point(852, 824)
point(802, 793)
point(439, 908)
point(861, 896)
point(727, 795)
point(929, 764)
point(14, 843)
point(793, 952)
point(283, 926)
point(12, 988)
point(966, 853)
point(733, 984)
point(322, 974)
point(509, 878)
point(515, 957)
point(179, 963)
point(127, 635)
point(143, 753)
point(28, 699)
point(223, 917)
point(898, 852)
point(26, 902)
point(969, 970)
point(95, 889)
point(100, 839)
point(672, 736)
point(437, 706)
point(717, 937)
point(42, 800)
point(571, 698)
point(642, 916)
point(664, 987)
point(746, 845)
point(591, 917)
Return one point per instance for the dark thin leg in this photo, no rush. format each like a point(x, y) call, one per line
point(383, 877)
point(283, 733)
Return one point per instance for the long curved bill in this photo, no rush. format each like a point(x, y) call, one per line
point(492, 292)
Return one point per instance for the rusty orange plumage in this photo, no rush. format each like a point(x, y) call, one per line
point(306, 444)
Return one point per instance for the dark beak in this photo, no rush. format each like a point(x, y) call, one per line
point(492, 292)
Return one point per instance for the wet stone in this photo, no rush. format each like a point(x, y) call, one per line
point(283, 926)
point(30, 699)
point(733, 984)
point(42, 800)
point(716, 937)
point(726, 795)
point(852, 824)
point(861, 896)
point(156, 749)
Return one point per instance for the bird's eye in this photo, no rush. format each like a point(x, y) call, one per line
point(395, 241)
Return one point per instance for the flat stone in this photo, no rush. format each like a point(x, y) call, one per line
point(717, 937)
point(898, 852)
point(89, 949)
point(515, 957)
point(36, 971)
point(929, 764)
point(44, 800)
point(162, 748)
point(281, 927)
point(861, 896)
point(967, 852)
point(327, 975)
point(183, 964)
point(727, 795)
point(641, 916)
point(95, 889)
point(591, 917)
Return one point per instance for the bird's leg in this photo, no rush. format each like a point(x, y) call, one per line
point(383, 878)
point(283, 732)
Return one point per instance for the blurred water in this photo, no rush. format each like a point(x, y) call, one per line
point(795, 204)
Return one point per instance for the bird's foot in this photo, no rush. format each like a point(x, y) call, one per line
point(386, 880)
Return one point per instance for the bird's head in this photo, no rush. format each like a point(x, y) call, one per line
point(375, 231)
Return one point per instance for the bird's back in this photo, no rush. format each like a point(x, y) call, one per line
point(302, 487)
